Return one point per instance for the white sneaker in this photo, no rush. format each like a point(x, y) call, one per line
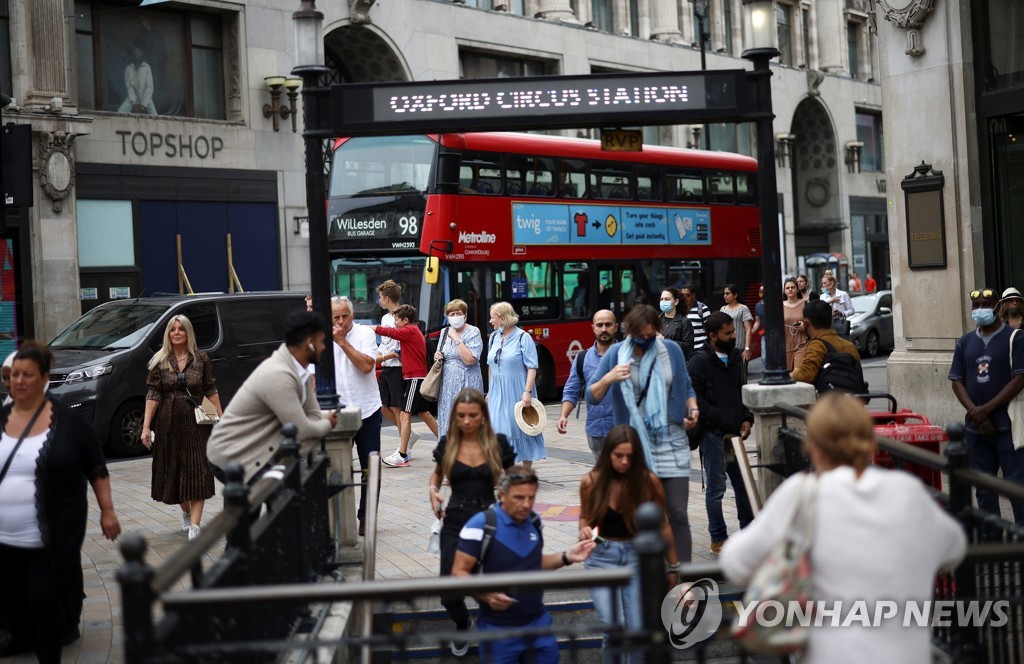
point(396, 460)
point(460, 648)
point(193, 532)
point(186, 521)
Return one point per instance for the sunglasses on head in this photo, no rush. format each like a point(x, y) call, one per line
point(988, 292)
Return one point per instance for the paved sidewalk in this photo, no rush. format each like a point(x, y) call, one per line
point(405, 520)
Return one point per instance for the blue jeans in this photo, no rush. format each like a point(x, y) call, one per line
point(712, 449)
point(616, 606)
point(990, 453)
point(543, 650)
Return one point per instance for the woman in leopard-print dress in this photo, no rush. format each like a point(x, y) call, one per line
point(181, 473)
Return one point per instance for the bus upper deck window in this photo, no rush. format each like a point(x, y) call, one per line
point(480, 173)
point(721, 187)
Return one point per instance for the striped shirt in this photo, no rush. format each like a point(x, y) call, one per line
point(697, 315)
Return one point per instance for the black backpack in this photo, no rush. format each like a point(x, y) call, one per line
point(839, 371)
point(491, 525)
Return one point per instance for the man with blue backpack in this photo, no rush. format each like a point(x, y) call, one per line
point(507, 537)
point(600, 418)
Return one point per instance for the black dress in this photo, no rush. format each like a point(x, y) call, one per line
point(472, 492)
point(181, 472)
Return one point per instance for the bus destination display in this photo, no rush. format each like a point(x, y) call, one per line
point(546, 224)
point(389, 229)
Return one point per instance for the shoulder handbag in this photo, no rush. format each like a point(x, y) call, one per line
point(430, 388)
point(205, 411)
point(1015, 409)
point(783, 578)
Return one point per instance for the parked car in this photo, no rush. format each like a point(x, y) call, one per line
point(871, 325)
point(100, 360)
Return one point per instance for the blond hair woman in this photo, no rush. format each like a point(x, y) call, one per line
point(877, 535)
point(512, 365)
point(179, 377)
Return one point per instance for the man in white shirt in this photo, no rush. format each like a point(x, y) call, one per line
point(355, 353)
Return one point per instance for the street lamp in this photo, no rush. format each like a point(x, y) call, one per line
point(759, 37)
point(309, 54)
point(700, 12)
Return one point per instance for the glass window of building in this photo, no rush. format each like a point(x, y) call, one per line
point(805, 18)
point(601, 13)
point(731, 138)
point(106, 236)
point(150, 62)
point(473, 64)
point(1005, 43)
point(634, 18)
point(852, 47)
point(727, 24)
point(869, 132)
point(783, 27)
point(5, 49)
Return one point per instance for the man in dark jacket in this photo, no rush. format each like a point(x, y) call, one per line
point(715, 371)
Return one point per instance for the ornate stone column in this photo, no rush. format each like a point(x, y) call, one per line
point(557, 10)
point(48, 47)
point(665, 21)
point(620, 16)
point(831, 37)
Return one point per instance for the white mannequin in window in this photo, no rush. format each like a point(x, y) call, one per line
point(138, 81)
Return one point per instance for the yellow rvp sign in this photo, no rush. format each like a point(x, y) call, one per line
point(622, 140)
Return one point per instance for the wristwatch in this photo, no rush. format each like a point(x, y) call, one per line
point(565, 560)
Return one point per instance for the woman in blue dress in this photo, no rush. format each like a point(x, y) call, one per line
point(512, 365)
point(460, 348)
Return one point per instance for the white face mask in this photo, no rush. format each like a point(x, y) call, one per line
point(457, 321)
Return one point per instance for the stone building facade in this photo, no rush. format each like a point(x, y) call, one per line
point(952, 78)
point(151, 148)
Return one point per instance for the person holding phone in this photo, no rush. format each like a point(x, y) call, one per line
point(471, 458)
point(179, 375)
point(793, 316)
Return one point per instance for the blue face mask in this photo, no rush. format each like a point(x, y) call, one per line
point(983, 317)
point(644, 344)
point(666, 307)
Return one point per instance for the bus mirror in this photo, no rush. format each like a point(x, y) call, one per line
point(432, 270)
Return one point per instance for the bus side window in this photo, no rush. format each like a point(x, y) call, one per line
point(648, 183)
point(572, 179)
point(685, 187)
point(480, 173)
point(575, 291)
point(746, 189)
point(720, 187)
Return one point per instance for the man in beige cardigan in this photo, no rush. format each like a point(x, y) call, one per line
point(279, 391)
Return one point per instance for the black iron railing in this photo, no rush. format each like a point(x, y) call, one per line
point(993, 569)
point(289, 543)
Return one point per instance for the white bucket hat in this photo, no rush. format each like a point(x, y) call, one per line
point(531, 419)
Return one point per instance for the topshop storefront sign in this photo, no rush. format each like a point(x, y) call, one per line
point(170, 145)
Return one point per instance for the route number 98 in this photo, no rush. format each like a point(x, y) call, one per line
point(408, 225)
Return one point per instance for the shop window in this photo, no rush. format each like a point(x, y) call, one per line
point(106, 237)
point(149, 61)
point(5, 49)
point(1005, 43)
point(484, 65)
point(869, 132)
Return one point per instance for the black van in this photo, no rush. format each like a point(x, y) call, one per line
point(99, 363)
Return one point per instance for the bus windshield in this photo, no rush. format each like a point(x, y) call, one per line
point(382, 166)
point(358, 279)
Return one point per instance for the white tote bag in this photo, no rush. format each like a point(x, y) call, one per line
point(1016, 407)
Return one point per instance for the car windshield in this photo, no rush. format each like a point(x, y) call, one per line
point(110, 328)
point(864, 303)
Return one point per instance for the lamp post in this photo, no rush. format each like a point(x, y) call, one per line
point(308, 58)
point(760, 39)
point(700, 12)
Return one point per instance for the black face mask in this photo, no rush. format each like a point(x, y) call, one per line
point(724, 345)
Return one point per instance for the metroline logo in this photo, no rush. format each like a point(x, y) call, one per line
point(477, 238)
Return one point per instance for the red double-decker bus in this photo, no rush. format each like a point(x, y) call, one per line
point(555, 226)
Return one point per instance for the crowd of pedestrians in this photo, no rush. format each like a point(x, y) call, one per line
point(669, 387)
